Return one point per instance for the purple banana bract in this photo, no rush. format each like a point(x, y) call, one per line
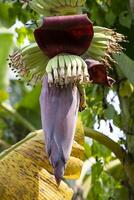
point(64, 34)
point(98, 72)
point(59, 110)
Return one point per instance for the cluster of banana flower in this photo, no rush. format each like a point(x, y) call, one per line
point(68, 52)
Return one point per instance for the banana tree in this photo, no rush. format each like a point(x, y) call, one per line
point(68, 55)
point(58, 58)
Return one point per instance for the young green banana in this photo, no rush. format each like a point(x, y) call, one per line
point(29, 62)
point(105, 42)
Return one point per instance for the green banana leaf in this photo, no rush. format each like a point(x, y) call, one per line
point(6, 42)
point(126, 65)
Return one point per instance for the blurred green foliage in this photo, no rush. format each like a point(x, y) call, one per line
point(98, 183)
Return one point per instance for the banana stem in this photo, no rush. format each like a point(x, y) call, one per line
point(109, 143)
point(7, 151)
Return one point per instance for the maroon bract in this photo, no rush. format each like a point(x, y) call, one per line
point(98, 72)
point(64, 34)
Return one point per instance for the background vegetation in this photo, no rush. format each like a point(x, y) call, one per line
point(110, 110)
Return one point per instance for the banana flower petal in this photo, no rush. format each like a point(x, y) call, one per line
point(59, 110)
point(64, 34)
point(98, 73)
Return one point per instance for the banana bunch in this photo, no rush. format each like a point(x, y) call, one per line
point(105, 42)
point(65, 68)
point(56, 7)
point(29, 62)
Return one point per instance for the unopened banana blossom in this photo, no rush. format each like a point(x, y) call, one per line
point(59, 110)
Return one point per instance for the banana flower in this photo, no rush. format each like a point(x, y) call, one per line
point(59, 110)
point(63, 43)
point(64, 34)
point(98, 73)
